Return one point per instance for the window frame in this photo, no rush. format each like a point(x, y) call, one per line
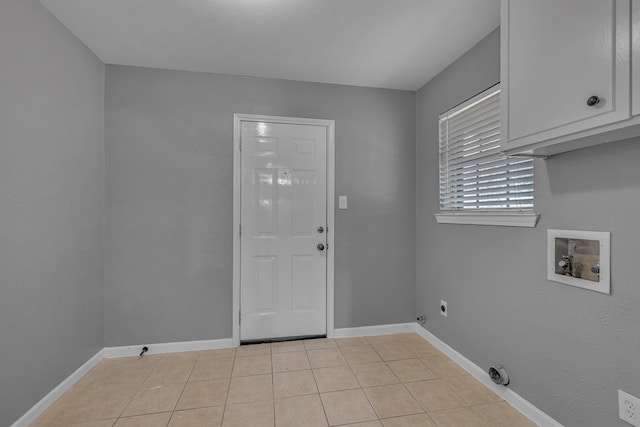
point(508, 216)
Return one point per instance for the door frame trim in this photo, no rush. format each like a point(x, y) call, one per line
point(237, 181)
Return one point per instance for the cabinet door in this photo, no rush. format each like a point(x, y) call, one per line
point(635, 52)
point(558, 54)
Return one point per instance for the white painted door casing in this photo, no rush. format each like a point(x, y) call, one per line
point(635, 55)
point(283, 202)
point(555, 55)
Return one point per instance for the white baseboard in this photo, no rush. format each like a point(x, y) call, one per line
point(57, 392)
point(169, 347)
point(510, 396)
point(365, 331)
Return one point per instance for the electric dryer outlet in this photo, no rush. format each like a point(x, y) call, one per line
point(443, 308)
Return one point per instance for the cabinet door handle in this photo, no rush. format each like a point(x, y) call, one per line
point(593, 100)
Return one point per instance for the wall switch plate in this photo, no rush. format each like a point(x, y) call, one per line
point(629, 408)
point(342, 202)
point(443, 308)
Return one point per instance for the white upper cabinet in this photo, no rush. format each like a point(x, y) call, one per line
point(566, 74)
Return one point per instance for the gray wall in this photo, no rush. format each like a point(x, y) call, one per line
point(567, 350)
point(51, 205)
point(169, 155)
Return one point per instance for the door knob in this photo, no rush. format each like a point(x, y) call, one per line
point(320, 247)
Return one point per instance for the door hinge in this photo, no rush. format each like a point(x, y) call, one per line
point(240, 230)
point(240, 317)
point(240, 144)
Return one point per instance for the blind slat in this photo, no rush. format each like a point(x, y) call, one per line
point(473, 172)
point(488, 139)
point(473, 156)
point(486, 169)
point(466, 126)
point(492, 195)
point(480, 133)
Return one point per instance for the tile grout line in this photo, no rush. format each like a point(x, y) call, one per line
point(273, 387)
point(402, 383)
point(224, 406)
point(137, 391)
point(392, 373)
point(324, 410)
point(183, 388)
point(226, 398)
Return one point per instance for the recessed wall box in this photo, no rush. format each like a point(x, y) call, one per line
point(579, 258)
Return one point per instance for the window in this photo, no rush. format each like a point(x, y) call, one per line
point(478, 184)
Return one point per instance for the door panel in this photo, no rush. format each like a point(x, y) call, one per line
point(283, 202)
point(302, 202)
point(302, 274)
point(266, 279)
point(266, 210)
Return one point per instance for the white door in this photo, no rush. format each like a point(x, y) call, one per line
point(283, 268)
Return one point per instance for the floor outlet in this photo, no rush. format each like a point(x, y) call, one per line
point(629, 408)
point(443, 308)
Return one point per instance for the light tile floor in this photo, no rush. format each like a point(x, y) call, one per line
point(382, 381)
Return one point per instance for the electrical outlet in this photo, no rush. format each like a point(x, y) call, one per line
point(443, 308)
point(629, 408)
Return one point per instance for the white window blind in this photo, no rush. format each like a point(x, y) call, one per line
point(474, 175)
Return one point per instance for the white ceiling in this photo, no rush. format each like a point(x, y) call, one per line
point(398, 44)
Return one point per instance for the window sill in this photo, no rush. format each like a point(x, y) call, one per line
point(506, 219)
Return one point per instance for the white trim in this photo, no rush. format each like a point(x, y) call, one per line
point(490, 218)
point(331, 229)
point(169, 347)
point(514, 399)
point(365, 331)
point(55, 394)
point(237, 180)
